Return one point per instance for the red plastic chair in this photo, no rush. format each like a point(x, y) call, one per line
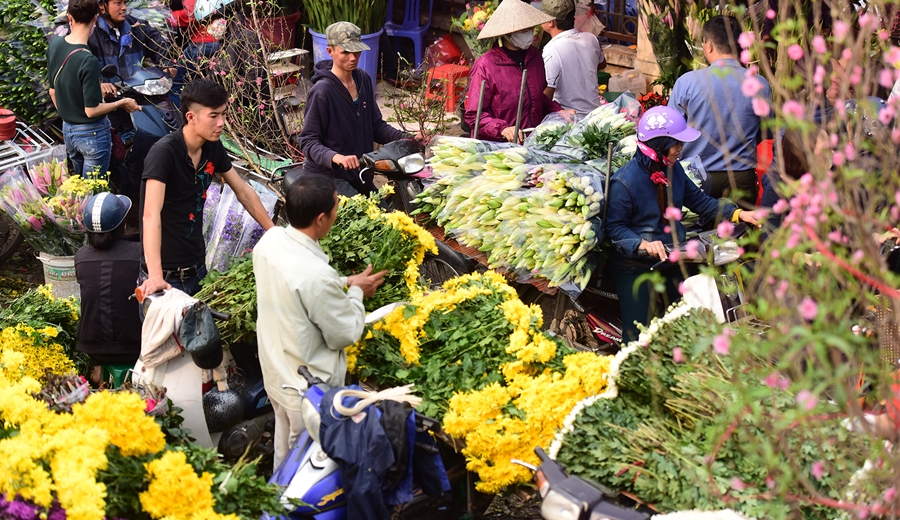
point(410, 27)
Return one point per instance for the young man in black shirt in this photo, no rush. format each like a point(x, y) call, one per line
point(177, 171)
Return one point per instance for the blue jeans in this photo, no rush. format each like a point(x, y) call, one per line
point(88, 145)
point(636, 301)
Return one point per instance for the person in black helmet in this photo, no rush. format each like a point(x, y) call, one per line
point(106, 269)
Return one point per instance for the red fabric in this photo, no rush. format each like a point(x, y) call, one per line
point(185, 18)
point(503, 79)
point(764, 156)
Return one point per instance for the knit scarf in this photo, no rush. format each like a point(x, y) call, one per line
point(652, 159)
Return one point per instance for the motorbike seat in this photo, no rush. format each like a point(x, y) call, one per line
point(290, 177)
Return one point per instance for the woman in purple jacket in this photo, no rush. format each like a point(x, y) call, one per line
point(501, 68)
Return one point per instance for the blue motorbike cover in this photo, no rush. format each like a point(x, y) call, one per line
point(327, 494)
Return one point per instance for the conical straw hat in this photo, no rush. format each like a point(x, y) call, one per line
point(512, 16)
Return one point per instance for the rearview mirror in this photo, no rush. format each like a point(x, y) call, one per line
point(109, 71)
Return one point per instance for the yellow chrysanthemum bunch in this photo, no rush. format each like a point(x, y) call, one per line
point(122, 416)
point(39, 351)
point(175, 489)
point(73, 446)
point(425, 244)
point(409, 330)
point(82, 186)
point(493, 437)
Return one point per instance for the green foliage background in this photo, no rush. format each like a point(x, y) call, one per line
point(23, 60)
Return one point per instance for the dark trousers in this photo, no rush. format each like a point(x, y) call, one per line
point(744, 181)
point(637, 303)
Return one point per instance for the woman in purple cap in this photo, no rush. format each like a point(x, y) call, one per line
point(640, 194)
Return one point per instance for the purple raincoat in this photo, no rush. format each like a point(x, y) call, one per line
point(501, 93)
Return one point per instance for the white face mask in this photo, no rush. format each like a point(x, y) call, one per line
point(522, 39)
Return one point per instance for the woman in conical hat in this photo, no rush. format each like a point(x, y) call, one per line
point(501, 68)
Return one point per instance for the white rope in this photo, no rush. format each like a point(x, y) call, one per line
point(401, 394)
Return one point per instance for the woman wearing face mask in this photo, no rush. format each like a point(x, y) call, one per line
point(501, 68)
point(639, 195)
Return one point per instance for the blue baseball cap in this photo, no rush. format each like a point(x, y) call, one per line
point(104, 212)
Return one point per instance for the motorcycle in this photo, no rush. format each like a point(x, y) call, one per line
point(566, 497)
point(158, 117)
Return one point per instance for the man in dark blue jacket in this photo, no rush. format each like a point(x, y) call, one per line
point(342, 120)
point(125, 41)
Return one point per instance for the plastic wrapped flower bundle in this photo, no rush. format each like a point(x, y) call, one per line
point(479, 359)
point(24, 205)
point(233, 231)
point(49, 172)
point(53, 224)
point(472, 21)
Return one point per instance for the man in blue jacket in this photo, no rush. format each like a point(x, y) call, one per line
point(342, 120)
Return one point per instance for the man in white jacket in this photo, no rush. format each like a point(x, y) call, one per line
point(307, 312)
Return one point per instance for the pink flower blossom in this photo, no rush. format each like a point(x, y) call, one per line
point(751, 86)
point(677, 355)
point(847, 54)
point(782, 289)
point(806, 400)
point(886, 115)
point(770, 482)
point(259, 81)
point(667, 229)
point(886, 78)
point(775, 253)
point(212, 64)
point(777, 381)
point(795, 52)
point(808, 309)
point(892, 56)
point(674, 255)
point(868, 21)
point(840, 30)
point(819, 76)
point(722, 344)
point(691, 248)
point(890, 494)
point(770, 14)
point(738, 484)
point(884, 35)
point(856, 75)
point(745, 56)
point(781, 206)
point(725, 229)
point(681, 288)
point(818, 469)
point(838, 159)
point(793, 109)
point(673, 213)
point(760, 106)
point(818, 45)
point(850, 152)
point(857, 256)
point(746, 39)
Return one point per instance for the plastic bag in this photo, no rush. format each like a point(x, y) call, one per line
point(235, 231)
point(24, 205)
point(48, 170)
point(586, 20)
point(443, 51)
point(210, 205)
point(549, 132)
